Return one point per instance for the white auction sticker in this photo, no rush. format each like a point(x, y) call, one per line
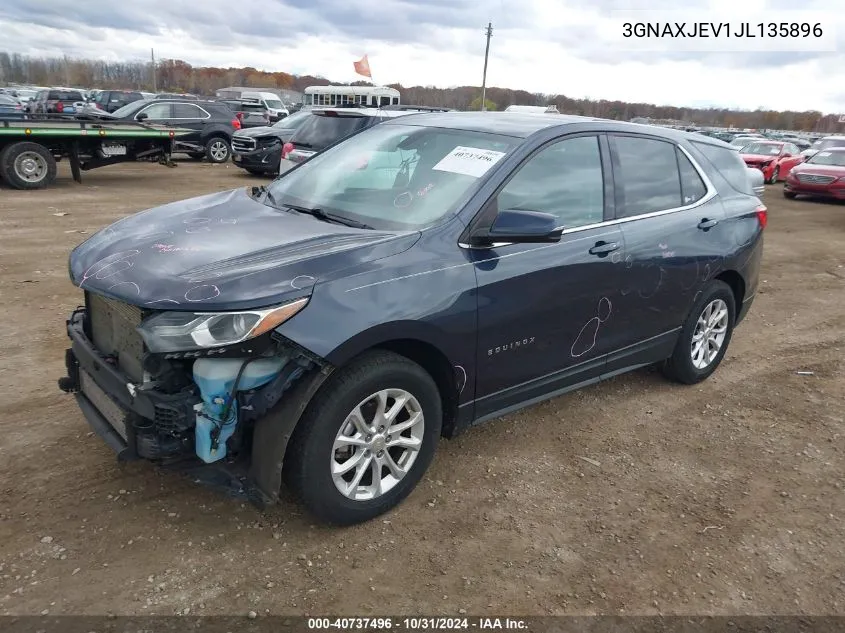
point(469, 161)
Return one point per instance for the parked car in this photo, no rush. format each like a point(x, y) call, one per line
point(742, 140)
point(821, 176)
point(258, 150)
point(213, 124)
point(111, 100)
point(250, 113)
point(773, 158)
point(11, 107)
point(824, 143)
point(269, 100)
point(56, 101)
point(758, 182)
point(429, 273)
point(181, 96)
point(326, 127)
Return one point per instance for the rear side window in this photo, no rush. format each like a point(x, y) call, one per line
point(320, 131)
point(693, 188)
point(646, 176)
point(65, 95)
point(187, 111)
point(728, 163)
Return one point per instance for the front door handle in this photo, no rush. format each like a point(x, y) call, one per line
point(707, 224)
point(603, 248)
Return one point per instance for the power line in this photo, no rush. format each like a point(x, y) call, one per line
point(489, 32)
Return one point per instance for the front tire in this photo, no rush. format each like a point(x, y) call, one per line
point(704, 337)
point(775, 175)
point(365, 440)
point(217, 150)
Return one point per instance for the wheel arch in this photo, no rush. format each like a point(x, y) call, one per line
point(737, 285)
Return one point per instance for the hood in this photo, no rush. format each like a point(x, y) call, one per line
point(758, 158)
point(222, 251)
point(818, 170)
point(265, 130)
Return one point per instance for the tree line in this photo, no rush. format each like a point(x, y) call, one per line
point(174, 75)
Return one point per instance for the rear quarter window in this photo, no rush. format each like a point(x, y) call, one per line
point(728, 163)
point(65, 95)
point(320, 131)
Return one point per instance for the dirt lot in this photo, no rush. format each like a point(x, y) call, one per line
point(727, 497)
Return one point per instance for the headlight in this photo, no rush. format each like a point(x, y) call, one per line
point(182, 331)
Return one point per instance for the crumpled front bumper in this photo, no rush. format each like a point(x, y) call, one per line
point(120, 412)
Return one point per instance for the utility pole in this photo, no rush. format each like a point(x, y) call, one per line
point(153, 57)
point(489, 31)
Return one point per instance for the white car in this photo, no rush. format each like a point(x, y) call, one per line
point(270, 100)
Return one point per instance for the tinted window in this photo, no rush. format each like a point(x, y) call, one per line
point(187, 111)
point(693, 188)
point(564, 179)
point(729, 164)
point(65, 95)
point(320, 131)
point(647, 176)
point(157, 111)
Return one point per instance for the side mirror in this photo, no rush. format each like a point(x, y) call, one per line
point(520, 226)
point(142, 117)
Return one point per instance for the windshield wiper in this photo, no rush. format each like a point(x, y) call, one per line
point(320, 214)
point(268, 196)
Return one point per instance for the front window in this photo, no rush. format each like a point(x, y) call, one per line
point(834, 159)
point(293, 121)
point(766, 149)
point(128, 109)
point(393, 176)
point(273, 104)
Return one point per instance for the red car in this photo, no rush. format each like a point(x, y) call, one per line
point(774, 158)
point(821, 175)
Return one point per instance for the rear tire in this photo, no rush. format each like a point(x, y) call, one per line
point(217, 150)
point(378, 381)
point(704, 337)
point(27, 165)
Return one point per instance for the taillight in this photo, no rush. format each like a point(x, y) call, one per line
point(762, 215)
point(60, 107)
point(287, 148)
point(236, 123)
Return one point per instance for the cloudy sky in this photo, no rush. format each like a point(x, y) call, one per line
point(550, 46)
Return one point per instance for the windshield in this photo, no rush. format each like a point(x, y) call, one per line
point(130, 108)
point(769, 149)
point(7, 100)
point(824, 143)
point(274, 104)
point(835, 158)
point(393, 176)
point(293, 121)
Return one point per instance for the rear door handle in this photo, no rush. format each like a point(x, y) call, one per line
point(603, 248)
point(707, 224)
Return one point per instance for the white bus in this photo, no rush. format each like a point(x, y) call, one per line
point(372, 96)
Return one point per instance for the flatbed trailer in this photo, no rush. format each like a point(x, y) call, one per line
point(30, 148)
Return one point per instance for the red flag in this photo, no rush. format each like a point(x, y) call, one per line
point(362, 67)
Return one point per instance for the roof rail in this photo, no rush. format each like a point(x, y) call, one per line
point(416, 107)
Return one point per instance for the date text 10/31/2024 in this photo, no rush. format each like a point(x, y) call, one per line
point(418, 623)
point(741, 30)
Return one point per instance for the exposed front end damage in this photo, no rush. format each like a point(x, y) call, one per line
point(225, 410)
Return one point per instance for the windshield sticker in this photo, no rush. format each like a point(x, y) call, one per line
point(469, 161)
point(825, 153)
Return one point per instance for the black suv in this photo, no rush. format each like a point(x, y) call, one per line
point(258, 150)
point(428, 274)
point(212, 123)
point(111, 100)
point(327, 126)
